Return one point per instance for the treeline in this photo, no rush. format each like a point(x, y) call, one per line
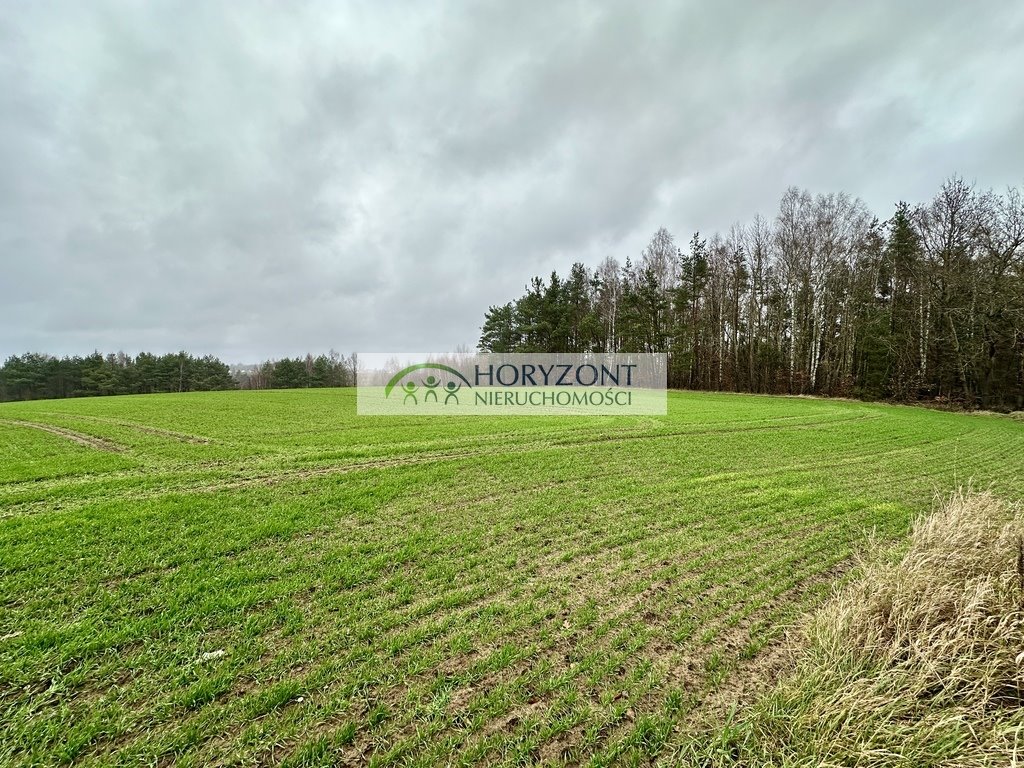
point(38, 376)
point(824, 298)
point(330, 370)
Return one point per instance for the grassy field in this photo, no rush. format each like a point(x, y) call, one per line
point(263, 577)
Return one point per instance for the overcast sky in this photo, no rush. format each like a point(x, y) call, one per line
point(255, 180)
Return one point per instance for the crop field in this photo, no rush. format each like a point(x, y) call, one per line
point(265, 578)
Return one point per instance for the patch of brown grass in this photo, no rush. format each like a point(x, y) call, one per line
point(919, 661)
point(948, 615)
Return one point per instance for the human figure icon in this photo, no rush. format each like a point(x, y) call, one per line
point(410, 392)
point(431, 383)
point(452, 389)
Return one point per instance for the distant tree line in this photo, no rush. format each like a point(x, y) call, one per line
point(823, 299)
point(330, 370)
point(38, 376)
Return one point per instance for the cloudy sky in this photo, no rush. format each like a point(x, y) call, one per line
point(261, 179)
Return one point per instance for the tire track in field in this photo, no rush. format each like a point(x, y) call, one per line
point(42, 506)
point(269, 479)
point(88, 441)
point(183, 437)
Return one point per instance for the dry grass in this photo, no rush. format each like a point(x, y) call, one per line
point(919, 661)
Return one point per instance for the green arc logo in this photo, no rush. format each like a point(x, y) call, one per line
point(420, 366)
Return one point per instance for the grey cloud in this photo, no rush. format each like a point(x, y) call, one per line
point(258, 180)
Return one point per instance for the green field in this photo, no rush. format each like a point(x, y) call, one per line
point(264, 577)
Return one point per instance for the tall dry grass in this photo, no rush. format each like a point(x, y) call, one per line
point(919, 661)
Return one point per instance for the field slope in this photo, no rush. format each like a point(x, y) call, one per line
point(263, 577)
